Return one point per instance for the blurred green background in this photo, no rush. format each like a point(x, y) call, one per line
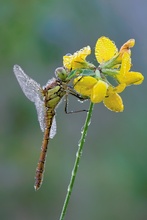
point(112, 178)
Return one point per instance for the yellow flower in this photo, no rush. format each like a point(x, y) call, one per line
point(78, 59)
point(98, 91)
point(124, 76)
point(113, 63)
point(108, 55)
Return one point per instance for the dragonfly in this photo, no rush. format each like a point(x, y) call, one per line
point(46, 99)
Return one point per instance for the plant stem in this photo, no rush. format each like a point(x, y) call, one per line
point(77, 160)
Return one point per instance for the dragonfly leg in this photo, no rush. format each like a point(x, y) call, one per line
point(66, 106)
point(71, 91)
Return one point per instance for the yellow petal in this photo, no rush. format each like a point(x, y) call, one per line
point(118, 89)
point(140, 78)
point(84, 85)
point(126, 46)
point(67, 59)
point(126, 64)
point(114, 103)
point(124, 76)
point(83, 53)
point(99, 91)
point(135, 78)
point(77, 60)
point(105, 49)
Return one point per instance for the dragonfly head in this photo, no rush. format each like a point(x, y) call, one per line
point(61, 74)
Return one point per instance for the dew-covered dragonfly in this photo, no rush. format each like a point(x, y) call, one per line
point(46, 99)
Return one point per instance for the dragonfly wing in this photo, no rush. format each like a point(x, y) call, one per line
point(53, 128)
point(41, 113)
point(29, 86)
point(33, 92)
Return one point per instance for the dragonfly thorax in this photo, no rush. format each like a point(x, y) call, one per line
point(53, 93)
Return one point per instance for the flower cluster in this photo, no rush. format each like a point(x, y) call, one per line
point(92, 81)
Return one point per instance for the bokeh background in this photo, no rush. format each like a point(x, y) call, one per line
point(112, 177)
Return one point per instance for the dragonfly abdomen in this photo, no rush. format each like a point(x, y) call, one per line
point(42, 158)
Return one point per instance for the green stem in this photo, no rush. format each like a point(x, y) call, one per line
point(77, 160)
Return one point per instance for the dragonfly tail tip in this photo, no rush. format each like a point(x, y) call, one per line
point(36, 187)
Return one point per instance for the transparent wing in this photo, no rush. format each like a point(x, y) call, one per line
point(30, 87)
point(53, 128)
point(40, 112)
point(33, 92)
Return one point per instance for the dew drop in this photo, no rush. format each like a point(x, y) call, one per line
point(73, 173)
point(89, 122)
point(82, 129)
point(68, 189)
